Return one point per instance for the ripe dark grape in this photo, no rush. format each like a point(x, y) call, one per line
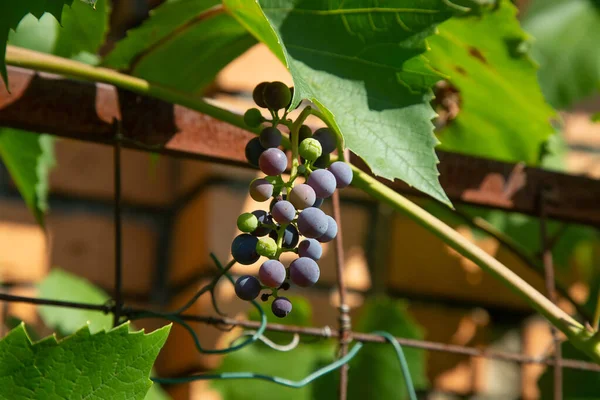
point(263, 218)
point(258, 94)
point(243, 249)
point(253, 118)
point(272, 273)
point(318, 202)
point(247, 287)
point(302, 196)
point(283, 212)
point(261, 190)
point(323, 161)
point(253, 151)
point(304, 133)
point(310, 248)
point(281, 307)
point(290, 237)
point(327, 139)
point(272, 162)
point(270, 137)
point(331, 232)
point(275, 200)
point(277, 95)
point(304, 272)
point(323, 182)
point(342, 173)
point(312, 222)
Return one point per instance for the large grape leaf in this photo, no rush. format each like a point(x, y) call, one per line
point(183, 44)
point(362, 64)
point(62, 285)
point(12, 12)
point(29, 158)
point(108, 365)
point(502, 112)
point(566, 46)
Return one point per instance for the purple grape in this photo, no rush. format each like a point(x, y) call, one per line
point(275, 200)
point(253, 151)
point(272, 162)
point(283, 212)
point(304, 272)
point(318, 202)
point(272, 273)
point(263, 218)
point(281, 307)
point(342, 173)
point(312, 222)
point(323, 183)
point(247, 287)
point(331, 233)
point(327, 138)
point(243, 249)
point(310, 248)
point(302, 196)
point(270, 137)
point(290, 237)
point(304, 133)
point(323, 161)
point(261, 190)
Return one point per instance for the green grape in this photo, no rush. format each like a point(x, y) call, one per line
point(253, 118)
point(247, 222)
point(277, 95)
point(310, 149)
point(266, 247)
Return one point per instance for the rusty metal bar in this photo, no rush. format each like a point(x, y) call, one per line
point(45, 103)
point(545, 240)
point(345, 326)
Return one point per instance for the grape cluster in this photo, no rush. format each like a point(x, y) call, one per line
point(294, 222)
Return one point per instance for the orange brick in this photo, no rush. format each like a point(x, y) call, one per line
point(23, 246)
point(421, 263)
point(83, 243)
point(86, 169)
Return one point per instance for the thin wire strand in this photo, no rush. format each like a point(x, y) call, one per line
point(403, 363)
point(279, 347)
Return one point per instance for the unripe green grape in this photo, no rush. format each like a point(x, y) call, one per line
point(310, 149)
point(253, 117)
point(247, 222)
point(258, 94)
point(277, 95)
point(266, 247)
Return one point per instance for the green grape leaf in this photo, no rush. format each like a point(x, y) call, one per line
point(29, 158)
point(259, 358)
point(566, 46)
point(14, 11)
point(375, 371)
point(108, 365)
point(68, 320)
point(183, 44)
point(502, 112)
point(82, 31)
point(363, 65)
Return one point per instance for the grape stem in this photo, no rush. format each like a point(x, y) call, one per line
point(294, 139)
point(577, 334)
point(340, 144)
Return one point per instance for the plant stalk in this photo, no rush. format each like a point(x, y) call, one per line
point(580, 337)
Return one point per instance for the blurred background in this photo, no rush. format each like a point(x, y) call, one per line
point(401, 278)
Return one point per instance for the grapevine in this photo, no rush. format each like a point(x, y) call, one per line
point(294, 222)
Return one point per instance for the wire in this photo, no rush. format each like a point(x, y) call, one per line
point(403, 363)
